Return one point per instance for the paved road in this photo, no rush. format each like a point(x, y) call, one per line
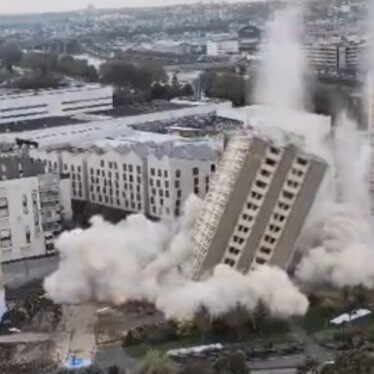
point(274, 371)
point(312, 348)
point(76, 333)
point(114, 355)
point(284, 362)
point(21, 272)
point(26, 337)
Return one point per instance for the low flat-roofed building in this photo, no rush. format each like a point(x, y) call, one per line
point(30, 105)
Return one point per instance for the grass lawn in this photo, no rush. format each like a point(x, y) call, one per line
point(139, 350)
point(317, 319)
point(271, 330)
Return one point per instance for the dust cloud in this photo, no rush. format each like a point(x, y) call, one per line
point(344, 253)
point(138, 259)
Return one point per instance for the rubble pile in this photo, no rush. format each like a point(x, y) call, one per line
point(114, 322)
point(30, 310)
point(10, 364)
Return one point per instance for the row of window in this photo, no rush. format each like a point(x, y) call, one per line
point(132, 204)
point(161, 173)
point(158, 183)
point(195, 171)
point(167, 211)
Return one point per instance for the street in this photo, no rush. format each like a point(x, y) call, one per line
point(22, 272)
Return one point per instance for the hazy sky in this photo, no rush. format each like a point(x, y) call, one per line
point(29, 6)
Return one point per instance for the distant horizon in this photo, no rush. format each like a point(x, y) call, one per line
point(35, 7)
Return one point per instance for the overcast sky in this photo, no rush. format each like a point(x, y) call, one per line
point(29, 6)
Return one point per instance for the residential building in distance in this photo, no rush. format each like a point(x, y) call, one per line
point(31, 105)
point(33, 207)
point(334, 57)
point(222, 47)
point(256, 206)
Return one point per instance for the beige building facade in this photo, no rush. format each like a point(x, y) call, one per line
point(256, 206)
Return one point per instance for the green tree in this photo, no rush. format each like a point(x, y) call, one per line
point(198, 368)
point(207, 79)
point(238, 320)
point(175, 82)
point(43, 62)
point(361, 297)
point(159, 91)
point(156, 363)
point(118, 73)
point(202, 320)
point(231, 363)
point(187, 90)
point(351, 362)
point(76, 67)
point(10, 55)
point(230, 86)
point(113, 370)
point(155, 70)
point(37, 81)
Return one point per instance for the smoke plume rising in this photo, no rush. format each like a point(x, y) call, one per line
point(280, 82)
point(344, 253)
point(141, 260)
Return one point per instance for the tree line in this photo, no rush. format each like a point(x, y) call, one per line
point(144, 81)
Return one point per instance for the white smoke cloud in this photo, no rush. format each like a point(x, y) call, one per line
point(141, 260)
point(280, 82)
point(344, 253)
point(227, 288)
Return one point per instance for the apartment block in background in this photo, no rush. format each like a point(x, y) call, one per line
point(256, 206)
point(33, 206)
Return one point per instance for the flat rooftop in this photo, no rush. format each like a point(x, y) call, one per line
point(145, 143)
point(102, 128)
point(8, 94)
point(117, 112)
point(308, 130)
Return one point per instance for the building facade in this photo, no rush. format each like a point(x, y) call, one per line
point(32, 105)
point(153, 179)
point(33, 207)
point(256, 206)
point(222, 47)
point(334, 57)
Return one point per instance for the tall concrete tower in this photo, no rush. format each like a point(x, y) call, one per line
point(256, 206)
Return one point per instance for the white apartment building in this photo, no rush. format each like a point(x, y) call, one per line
point(152, 178)
point(222, 47)
point(118, 180)
point(171, 180)
point(30, 105)
point(33, 206)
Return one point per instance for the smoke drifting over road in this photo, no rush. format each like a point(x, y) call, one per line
point(141, 260)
